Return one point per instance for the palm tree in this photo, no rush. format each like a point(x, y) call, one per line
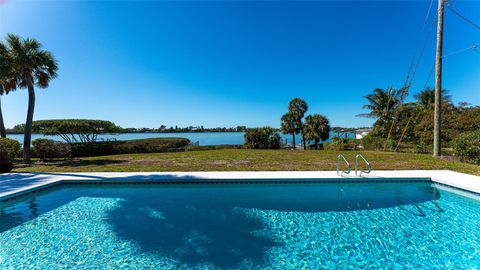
point(289, 126)
point(3, 131)
point(317, 128)
point(426, 97)
point(4, 72)
point(298, 107)
point(382, 103)
point(29, 66)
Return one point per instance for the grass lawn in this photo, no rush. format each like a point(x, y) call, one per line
point(246, 160)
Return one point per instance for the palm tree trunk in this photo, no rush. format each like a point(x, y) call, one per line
point(293, 137)
point(27, 138)
point(3, 131)
point(304, 143)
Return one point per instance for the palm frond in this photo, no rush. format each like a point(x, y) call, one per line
point(27, 63)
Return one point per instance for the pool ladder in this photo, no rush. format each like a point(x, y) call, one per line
point(369, 166)
point(340, 172)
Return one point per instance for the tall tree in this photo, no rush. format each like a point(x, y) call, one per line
point(382, 105)
point(3, 131)
point(298, 107)
point(288, 126)
point(317, 127)
point(29, 66)
point(4, 73)
point(425, 101)
point(426, 98)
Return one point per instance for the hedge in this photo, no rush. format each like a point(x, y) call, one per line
point(376, 143)
point(467, 146)
point(9, 150)
point(6, 164)
point(153, 145)
point(10, 147)
point(341, 144)
point(261, 138)
point(50, 149)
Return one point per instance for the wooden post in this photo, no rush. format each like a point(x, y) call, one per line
point(437, 151)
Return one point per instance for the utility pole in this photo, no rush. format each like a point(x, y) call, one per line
point(437, 151)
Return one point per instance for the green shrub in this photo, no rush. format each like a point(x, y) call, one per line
point(6, 165)
point(341, 144)
point(10, 147)
point(153, 145)
point(454, 121)
point(326, 145)
point(467, 146)
point(49, 149)
point(261, 138)
point(274, 141)
point(372, 142)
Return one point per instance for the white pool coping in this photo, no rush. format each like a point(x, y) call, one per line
point(16, 184)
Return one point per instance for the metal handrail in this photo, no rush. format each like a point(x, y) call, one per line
point(338, 165)
point(369, 166)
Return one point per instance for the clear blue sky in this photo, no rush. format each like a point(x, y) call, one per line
point(228, 63)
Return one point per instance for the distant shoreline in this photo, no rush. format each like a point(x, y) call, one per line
point(199, 138)
point(163, 132)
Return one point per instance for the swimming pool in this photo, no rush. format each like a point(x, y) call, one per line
point(414, 225)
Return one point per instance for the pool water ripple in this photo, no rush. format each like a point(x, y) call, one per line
point(334, 226)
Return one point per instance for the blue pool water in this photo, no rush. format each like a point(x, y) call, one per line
point(258, 226)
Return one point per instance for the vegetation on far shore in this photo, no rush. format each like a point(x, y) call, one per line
point(20, 128)
point(247, 160)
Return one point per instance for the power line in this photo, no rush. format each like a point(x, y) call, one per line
point(429, 76)
point(463, 17)
point(421, 54)
point(471, 47)
point(412, 69)
point(450, 2)
point(428, 14)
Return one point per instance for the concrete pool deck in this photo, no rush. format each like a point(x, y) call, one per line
point(16, 184)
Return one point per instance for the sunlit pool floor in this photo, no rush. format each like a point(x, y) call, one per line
point(315, 226)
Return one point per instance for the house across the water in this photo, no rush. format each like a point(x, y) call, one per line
point(362, 132)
